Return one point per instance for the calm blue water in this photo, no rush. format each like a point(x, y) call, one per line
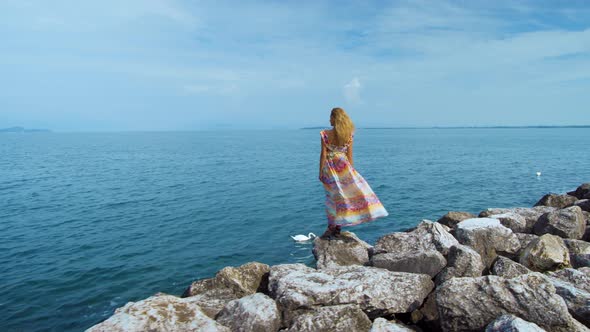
point(89, 222)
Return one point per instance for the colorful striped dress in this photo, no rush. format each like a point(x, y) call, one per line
point(349, 198)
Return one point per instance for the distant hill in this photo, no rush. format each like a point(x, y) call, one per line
point(22, 130)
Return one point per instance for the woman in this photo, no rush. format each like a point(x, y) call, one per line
point(349, 198)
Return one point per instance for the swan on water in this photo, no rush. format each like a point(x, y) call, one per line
point(301, 237)
point(538, 173)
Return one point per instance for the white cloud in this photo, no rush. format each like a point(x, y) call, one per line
point(351, 90)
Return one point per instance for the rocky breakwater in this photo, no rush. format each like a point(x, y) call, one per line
point(508, 269)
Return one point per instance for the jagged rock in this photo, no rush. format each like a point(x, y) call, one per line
point(426, 236)
point(429, 262)
point(488, 237)
point(383, 325)
point(548, 252)
point(256, 312)
point(507, 268)
point(429, 312)
point(462, 262)
point(586, 236)
point(229, 283)
point(557, 201)
point(515, 222)
point(579, 252)
point(531, 215)
point(347, 249)
point(470, 304)
point(511, 323)
point(452, 218)
point(525, 239)
point(160, 312)
point(332, 318)
point(583, 204)
point(575, 277)
point(566, 223)
point(582, 191)
point(576, 299)
point(376, 291)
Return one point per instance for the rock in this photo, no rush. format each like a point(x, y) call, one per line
point(548, 252)
point(557, 201)
point(488, 237)
point(376, 291)
point(575, 277)
point(582, 191)
point(426, 236)
point(383, 325)
point(511, 323)
point(256, 312)
point(332, 318)
point(583, 204)
point(429, 262)
point(429, 313)
point(531, 215)
point(462, 262)
point(506, 268)
point(579, 252)
point(586, 236)
point(585, 270)
point(577, 300)
point(515, 222)
point(525, 239)
point(470, 304)
point(452, 218)
point(347, 249)
point(229, 283)
point(160, 312)
point(566, 223)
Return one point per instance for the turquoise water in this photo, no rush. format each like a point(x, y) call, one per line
point(90, 221)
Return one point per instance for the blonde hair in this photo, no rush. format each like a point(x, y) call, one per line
point(343, 126)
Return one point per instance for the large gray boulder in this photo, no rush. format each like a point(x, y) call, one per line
point(576, 299)
point(515, 222)
point(347, 249)
point(488, 237)
point(511, 323)
point(377, 291)
point(566, 223)
point(546, 253)
point(579, 252)
point(531, 215)
point(429, 262)
point(160, 312)
point(470, 304)
point(557, 201)
point(229, 284)
point(383, 325)
point(347, 317)
point(462, 262)
point(452, 218)
point(575, 277)
point(426, 236)
point(251, 313)
point(525, 239)
point(507, 268)
point(582, 191)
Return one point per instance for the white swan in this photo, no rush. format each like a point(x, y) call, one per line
point(302, 238)
point(538, 173)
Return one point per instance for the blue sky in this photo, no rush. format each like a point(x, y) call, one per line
point(189, 65)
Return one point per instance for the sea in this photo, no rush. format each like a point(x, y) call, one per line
point(91, 221)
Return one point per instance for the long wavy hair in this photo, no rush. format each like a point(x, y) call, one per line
point(343, 126)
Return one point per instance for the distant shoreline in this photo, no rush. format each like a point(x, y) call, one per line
point(23, 130)
point(465, 127)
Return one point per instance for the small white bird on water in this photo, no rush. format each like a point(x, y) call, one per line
point(538, 173)
point(302, 238)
